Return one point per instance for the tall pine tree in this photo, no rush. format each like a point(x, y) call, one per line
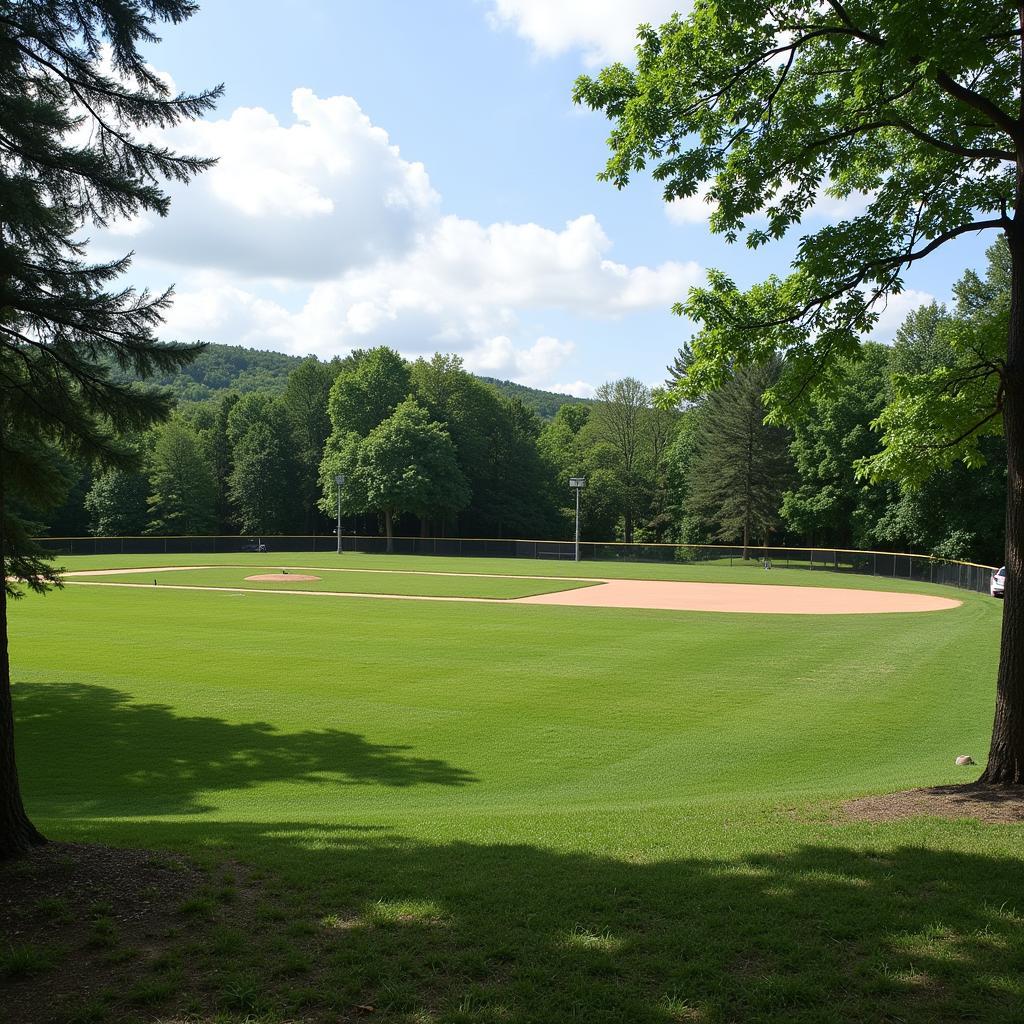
point(743, 465)
point(74, 94)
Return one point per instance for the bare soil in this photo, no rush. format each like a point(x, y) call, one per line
point(743, 597)
point(997, 805)
point(664, 595)
point(282, 577)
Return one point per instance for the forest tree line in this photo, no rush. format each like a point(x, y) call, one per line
point(427, 448)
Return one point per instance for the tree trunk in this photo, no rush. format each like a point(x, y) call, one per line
point(17, 834)
point(628, 526)
point(1006, 754)
point(389, 531)
point(746, 538)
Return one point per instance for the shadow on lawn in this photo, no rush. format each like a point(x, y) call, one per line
point(95, 751)
point(515, 933)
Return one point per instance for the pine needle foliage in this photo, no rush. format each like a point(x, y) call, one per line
point(743, 466)
point(78, 105)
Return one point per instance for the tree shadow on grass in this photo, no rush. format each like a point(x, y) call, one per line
point(516, 933)
point(92, 750)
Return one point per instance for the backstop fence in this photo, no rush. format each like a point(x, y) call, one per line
point(896, 565)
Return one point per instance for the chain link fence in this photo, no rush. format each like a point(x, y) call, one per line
point(895, 565)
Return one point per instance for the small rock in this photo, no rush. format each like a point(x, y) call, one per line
point(965, 759)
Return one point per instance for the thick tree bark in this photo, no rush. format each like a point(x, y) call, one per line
point(17, 834)
point(389, 530)
point(1006, 755)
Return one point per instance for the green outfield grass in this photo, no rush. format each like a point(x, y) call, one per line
point(351, 581)
point(509, 813)
point(718, 571)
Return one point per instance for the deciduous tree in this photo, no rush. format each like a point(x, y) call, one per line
point(116, 503)
point(263, 485)
point(305, 398)
point(365, 396)
point(619, 422)
point(829, 503)
point(408, 464)
point(911, 111)
point(182, 499)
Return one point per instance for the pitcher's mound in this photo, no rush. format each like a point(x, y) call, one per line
point(282, 577)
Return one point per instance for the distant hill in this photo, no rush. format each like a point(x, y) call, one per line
point(232, 368)
point(544, 403)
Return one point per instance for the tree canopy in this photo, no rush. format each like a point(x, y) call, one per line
point(764, 108)
point(911, 113)
point(407, 463)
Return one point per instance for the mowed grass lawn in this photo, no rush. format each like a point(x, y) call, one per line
point(352, 581)
point(486, 813)
point(717, 571)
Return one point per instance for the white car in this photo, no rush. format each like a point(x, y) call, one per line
point(998, 584)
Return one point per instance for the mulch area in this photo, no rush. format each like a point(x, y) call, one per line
point(80, 920)
point(996, 805)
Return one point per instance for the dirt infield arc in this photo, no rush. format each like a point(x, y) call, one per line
point(742, 597)
point(663, 595)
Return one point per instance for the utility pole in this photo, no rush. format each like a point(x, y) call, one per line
point(340, 481)
point(577, 483)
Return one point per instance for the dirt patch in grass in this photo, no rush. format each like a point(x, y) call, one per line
point(997, 805)
point(93, 933)
point(282, 577)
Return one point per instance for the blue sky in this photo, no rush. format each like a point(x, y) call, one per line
point(416, 175)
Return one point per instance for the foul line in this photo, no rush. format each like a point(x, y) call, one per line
point(313, 593)
point(321, 568)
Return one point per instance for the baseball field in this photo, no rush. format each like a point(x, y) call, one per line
point(466, 790)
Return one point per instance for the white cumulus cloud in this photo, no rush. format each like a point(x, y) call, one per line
point(696, 209)
point(895, 308)
point(458, 287)
point(578, 389)
point(500, 357)
point(693, 209)
point(305, 200)
point(605, 30)
point(315, 234)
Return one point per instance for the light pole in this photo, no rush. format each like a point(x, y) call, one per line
point(577, 483)
point(340, 481)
